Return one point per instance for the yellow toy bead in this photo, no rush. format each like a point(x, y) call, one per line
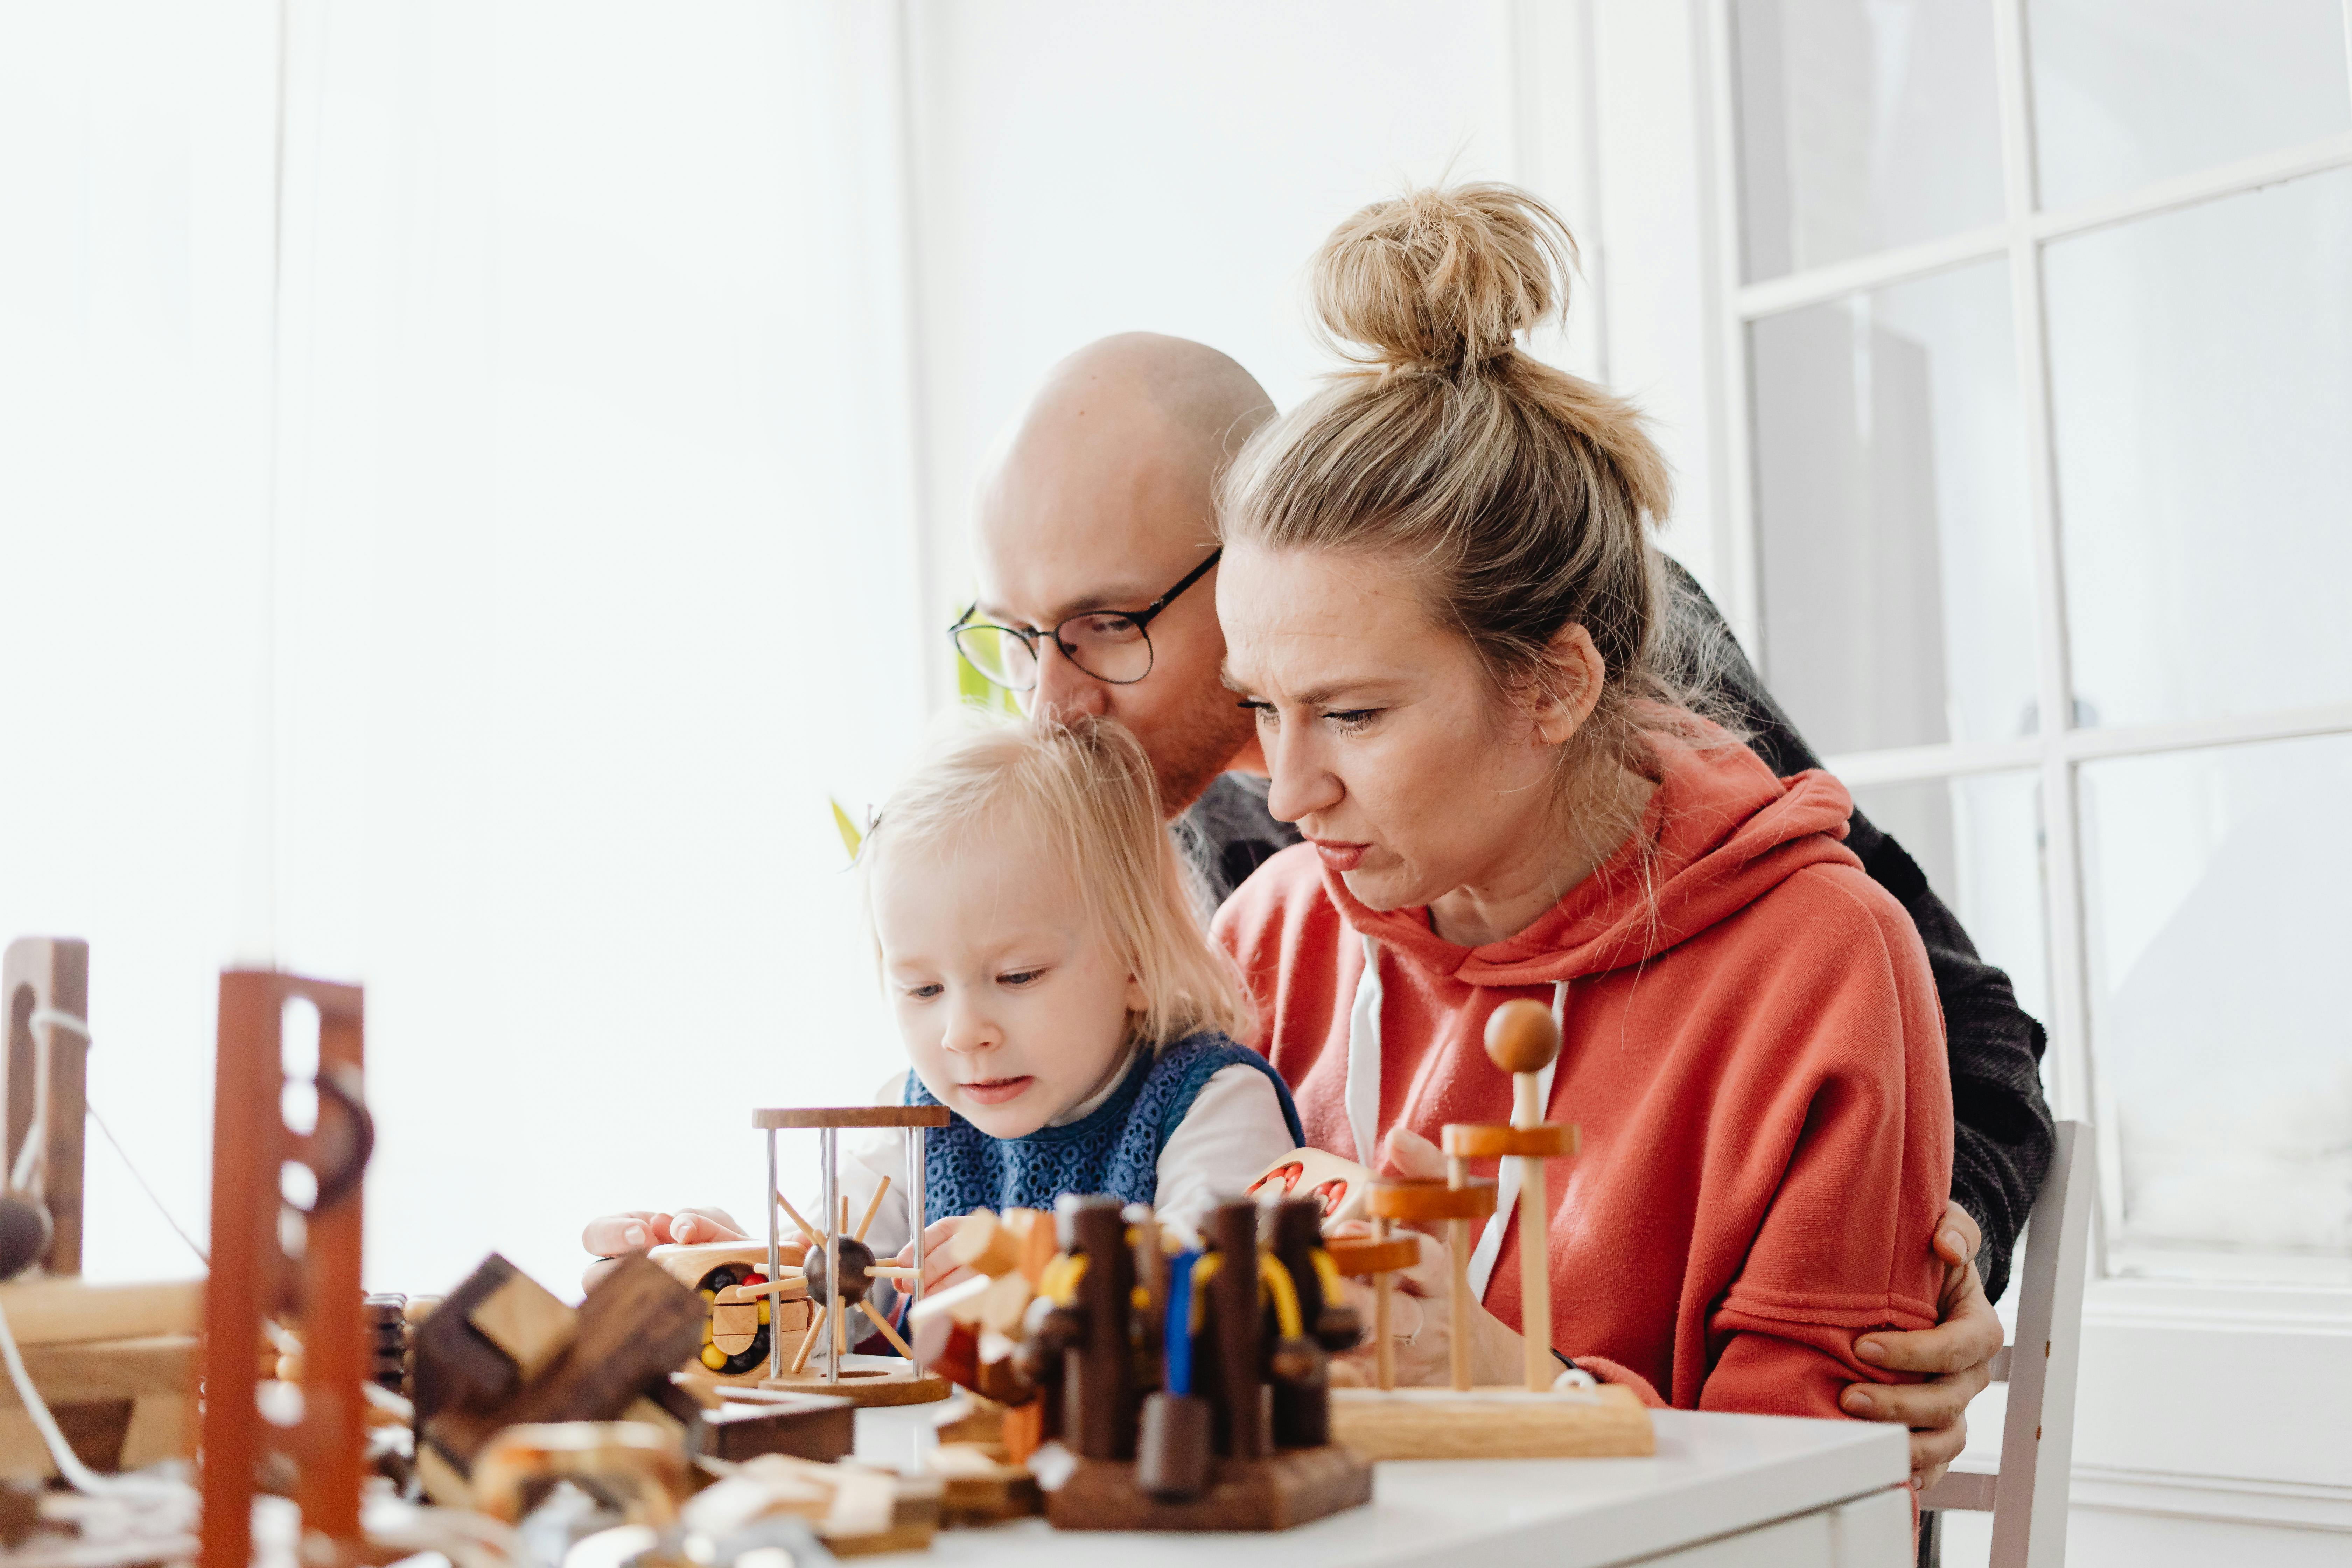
point(713, 1357)
point(763, 1308)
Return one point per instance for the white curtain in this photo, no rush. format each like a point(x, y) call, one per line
point(459, 544)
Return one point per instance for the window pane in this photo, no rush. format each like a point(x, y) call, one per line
point(2126, 95)
point(2201, 387)
point(1864, 125)
point(2218, 931)
point(1890, 469)
point(1979, 841)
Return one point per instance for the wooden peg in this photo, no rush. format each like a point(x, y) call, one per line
point(1523, 1038)
point(794, 1215)
point(871, 1209)
point(888, 1333)
point(808, 1340)
point(1383, 1302)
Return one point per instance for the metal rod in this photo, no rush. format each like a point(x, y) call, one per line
point(775, 1262)
point(825, 1139)
point(917, 1146)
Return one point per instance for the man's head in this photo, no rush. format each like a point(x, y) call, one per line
point(1100, 499)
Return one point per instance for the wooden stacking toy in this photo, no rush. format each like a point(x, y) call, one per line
point(1556, 1412)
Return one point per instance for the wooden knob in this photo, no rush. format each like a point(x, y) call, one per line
point(1521, 1036)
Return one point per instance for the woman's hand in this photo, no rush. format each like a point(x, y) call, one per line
point(1954, 1354)
point(617, 1236)
point(1421, 1307)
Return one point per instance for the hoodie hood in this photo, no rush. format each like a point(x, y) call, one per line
point(1718, 834)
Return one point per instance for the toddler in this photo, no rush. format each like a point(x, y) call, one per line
point(1055, 992)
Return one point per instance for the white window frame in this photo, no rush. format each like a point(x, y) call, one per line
point(2058, 751)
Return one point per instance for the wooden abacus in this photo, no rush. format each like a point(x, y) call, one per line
point(1556, 1412)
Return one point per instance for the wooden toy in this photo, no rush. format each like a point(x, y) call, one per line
point(502, 1352)
point(737, 1334)
point(633, 1465)
point(1340, 1185)
point(1235, 1435)
point(271, 1255)
point(837, 1268)
point(115, 1364)
point(853, 1508)
point(1556, 1413)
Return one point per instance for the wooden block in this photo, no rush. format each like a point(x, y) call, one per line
point(68, 1312)
point(980, 1488)
point(524, 1318)
point(162, 1426)
point(803, 1426)
point(637, 1326)
point(1491, 1423)
point(1361, 1254)
point(854, 1115)
point(734, 1326)
point(1288, 1487)
point(1340, 1185)
point(457, 1367)
point(1397, 1197)
point(637, 1465)
point(101, 1370)
point(1482, 1140)
point(985, 1244)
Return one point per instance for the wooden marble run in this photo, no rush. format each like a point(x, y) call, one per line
point(1556, 1412)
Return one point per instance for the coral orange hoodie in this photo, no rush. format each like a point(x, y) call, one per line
point(1756, 1059)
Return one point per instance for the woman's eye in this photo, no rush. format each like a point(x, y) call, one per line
point(1261, 711)
point(1019, 977)
point(1353, 719)
point(925, 993)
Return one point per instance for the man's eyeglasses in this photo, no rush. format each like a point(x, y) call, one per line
point(1113, 645)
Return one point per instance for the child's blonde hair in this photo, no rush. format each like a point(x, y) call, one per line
point(1083, 788)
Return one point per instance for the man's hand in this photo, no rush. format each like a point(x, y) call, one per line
point(1954, 1354)
point(615, 1235)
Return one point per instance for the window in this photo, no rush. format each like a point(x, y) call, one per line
point(2042, 399)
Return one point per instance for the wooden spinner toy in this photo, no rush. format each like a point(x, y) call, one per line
point(1556, 1413)
point(835, 1272)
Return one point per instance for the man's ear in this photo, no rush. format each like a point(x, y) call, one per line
point(1571, 687)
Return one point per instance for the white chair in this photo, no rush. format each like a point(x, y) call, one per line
point(2027, 1495)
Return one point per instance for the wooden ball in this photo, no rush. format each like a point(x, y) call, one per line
point(1521, 1036)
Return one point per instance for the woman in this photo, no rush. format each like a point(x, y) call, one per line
point(1440, 598)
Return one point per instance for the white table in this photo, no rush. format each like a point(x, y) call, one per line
point(1757, 1491)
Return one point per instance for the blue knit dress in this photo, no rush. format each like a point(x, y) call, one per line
point(1115, 1149)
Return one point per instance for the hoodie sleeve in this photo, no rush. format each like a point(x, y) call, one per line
point(1861, 1106)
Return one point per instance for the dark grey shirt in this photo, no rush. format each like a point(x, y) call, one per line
point(2003, 1133)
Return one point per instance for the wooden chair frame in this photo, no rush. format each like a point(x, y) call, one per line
point(2027, 1494)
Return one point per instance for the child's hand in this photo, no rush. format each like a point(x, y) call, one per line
point(939, 1272)
point(617, 1236)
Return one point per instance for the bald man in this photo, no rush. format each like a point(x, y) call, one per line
point(1095, 514)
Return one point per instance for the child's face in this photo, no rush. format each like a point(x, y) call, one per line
point(1013, 1005)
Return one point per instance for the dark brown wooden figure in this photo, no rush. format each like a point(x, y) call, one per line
point(1099, 1412)
point(44, 1000)
point(1235, 1335)
point(1298, 1366)
point(270, 1257)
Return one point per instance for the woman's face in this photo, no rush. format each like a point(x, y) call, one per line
point(1388, 744)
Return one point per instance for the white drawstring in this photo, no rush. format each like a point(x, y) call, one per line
point(1364, 1106)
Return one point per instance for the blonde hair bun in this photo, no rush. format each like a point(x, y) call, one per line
point(1443, 279)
